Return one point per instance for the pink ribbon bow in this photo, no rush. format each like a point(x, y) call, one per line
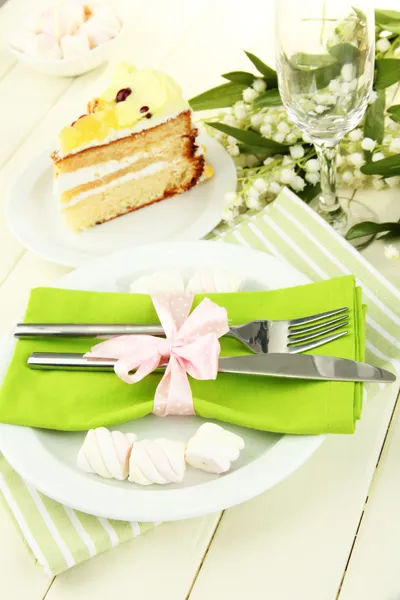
point(191, 345)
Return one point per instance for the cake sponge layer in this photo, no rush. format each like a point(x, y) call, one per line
point(125, 196)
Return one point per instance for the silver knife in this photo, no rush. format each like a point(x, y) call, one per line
point(297, 366)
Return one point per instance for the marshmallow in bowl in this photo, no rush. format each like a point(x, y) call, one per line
point(106, 453)
point(74, 45)
point(157, 461)
point(71, 29)
point(213, 449)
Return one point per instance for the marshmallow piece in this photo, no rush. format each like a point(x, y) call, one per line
point(45, 46)
point(213, 449)
point(106, 453)
point(74, 45)
point(214, 280)
point(63, 19)
point(158, 461)
point(160, 282)
point(95, 33)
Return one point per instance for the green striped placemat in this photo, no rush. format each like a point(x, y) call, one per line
point(60, 537)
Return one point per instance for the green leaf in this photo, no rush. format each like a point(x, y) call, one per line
point(345, 53)
point(374, 125)
point(387, 72)
point(246, 149)
point(394, 113)
point(360, 14)
point(268, 98)
point(304, 61)
point(383, 17)
point(218, 97)
point(369, 227)
point(252, 139)
point(310, 192)
point(387, 167)
point(268, 73)
point(240, 77)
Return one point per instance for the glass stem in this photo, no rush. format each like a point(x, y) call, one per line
point(329, 206)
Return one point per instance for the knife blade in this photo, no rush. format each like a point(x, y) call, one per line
point(296, 366)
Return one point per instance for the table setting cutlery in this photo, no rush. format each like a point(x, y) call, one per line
point(296, 366)
point(259, 336)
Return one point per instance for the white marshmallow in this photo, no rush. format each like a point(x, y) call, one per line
point(105, 19)
point(46, 46)
point(106, 453)
point(74, 45)
point(213, 449)
point(160, 282)
point(157, 461)
point(214, 280)
point(95, 34)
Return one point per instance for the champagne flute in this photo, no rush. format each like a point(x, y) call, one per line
point(325, 64)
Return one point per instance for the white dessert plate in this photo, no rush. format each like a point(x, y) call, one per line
point(34, 218)
point(47, 458)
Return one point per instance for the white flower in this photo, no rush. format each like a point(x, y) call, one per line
point(254, 202)
point(231, 140)
point(383, 45)
point(266, 130)
point(395, 145)
point(269, 118)
point(259, 85)
point(393, 181)
point(378, 156)
point(283, 127)
point(372, 97)
point(274, 187)
point(253, 192)
point(287, 161)
point(356, 159)
point(306, 138)
point(268, 160)
point(368, 144)
point(279, 137)
point(233, 150)
point(312, 165)
point(347, 176)
point(345, 89)
point(230, 197)
point(347, 72)
point(249, 94)
point(291, 138)
point(319, 109)
point(256, 119)
point(313, 178)
point(240, 110)
point(298, 184)
point(353, 84)
point(355, 135)
point(391, 252)
point(378, 183)
point(287, 175)
point(261, 185)
point(230, 120)
point(297, 151)
point(229, 214)
point(385, 33)
point(334, 86)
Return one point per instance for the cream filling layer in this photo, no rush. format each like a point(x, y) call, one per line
point(118, 134)
point(73, 179)
point(149, 170)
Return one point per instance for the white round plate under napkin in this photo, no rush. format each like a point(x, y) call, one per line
point(47, 459)
point(34, 218)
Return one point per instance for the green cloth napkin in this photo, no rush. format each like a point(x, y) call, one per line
point(67, 400)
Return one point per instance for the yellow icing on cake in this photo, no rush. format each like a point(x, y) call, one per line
point(149, 88)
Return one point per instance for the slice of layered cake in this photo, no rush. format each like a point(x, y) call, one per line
point(135, 146)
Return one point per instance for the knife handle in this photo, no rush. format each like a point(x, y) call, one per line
point(71, 330)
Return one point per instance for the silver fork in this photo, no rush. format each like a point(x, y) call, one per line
point(296, 335)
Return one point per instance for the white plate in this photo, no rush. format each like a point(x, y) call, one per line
point(47, 458)
point(33, 215)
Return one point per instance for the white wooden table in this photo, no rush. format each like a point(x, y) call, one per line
point(332, 530)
